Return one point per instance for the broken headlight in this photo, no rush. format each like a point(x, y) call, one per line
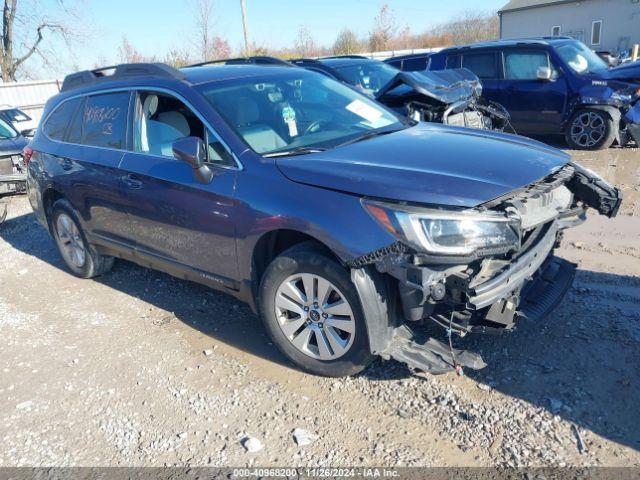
point(445, 232)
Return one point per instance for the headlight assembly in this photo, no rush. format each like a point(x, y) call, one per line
point(441, 232)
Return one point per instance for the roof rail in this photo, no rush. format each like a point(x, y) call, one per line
point(118, 72)
point(301, 60)
point(254, 60)
point(347, 56)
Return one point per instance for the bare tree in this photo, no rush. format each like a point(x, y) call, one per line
point(385, 28)
point(347, 43)
point(209, 46)
point(468, 27)
point(177, 58)
point(127, 53)
point(18, 47)
point(304, 44)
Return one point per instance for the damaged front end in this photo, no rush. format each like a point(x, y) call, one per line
point(472, 271)
point(13, 180)
point(451, 97)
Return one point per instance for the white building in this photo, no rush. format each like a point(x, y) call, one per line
point(612, 25)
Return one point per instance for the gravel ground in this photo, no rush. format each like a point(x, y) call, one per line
point(138, 368)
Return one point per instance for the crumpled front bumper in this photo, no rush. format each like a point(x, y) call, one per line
point(486, 295)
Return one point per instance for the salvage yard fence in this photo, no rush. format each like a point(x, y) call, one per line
point(30, 96)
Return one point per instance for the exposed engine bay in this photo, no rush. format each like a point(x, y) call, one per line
point(451, 97)
point(488, 289)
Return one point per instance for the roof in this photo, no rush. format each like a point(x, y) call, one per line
point(338, 62)
point(409, 56)
point(511, 42)
point(211, 73)
point(514, 5)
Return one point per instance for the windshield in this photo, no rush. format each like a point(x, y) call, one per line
point(369, 77)
point(580, 58)
point(6, 130)
point(296, 110)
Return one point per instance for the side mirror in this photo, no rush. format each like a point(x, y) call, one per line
point(191, 150)
point(544, 73)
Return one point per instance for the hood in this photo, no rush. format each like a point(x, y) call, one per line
point(429, 164)
point(9, 146)
point(629, 72)
point(446, 86)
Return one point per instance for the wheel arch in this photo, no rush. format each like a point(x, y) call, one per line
point(612, 112)
point(50, 195)
point(273, 243)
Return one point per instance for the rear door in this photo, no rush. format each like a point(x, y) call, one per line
point(90, 137)
point(485, 64)
point(176, 219)
point(536, 106)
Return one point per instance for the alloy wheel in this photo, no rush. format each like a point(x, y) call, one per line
point(70, 241)
point(315, 316)
point(588, 129)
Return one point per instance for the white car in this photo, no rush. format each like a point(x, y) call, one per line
point(22, 122)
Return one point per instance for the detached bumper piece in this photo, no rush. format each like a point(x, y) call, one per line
point(538, 298)
point(595, 192)
point(431, 356)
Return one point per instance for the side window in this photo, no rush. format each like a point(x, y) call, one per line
point(482, 64)
point(105, 120)
point(56, 124)
point(453, 61)
point(524, 65)
point(74, 135)
point(16, 115)
point(415, 64)
point(162, 119)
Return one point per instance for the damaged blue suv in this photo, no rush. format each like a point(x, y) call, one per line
point(342, 224)
point(554, 85)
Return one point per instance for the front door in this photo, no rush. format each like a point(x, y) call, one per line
point(175, 218)
point(536, 106)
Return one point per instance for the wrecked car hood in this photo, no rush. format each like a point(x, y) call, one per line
point(627, 72)
point(429, 164)
point(446, 86)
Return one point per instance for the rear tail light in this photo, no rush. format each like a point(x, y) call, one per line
point(27, 153)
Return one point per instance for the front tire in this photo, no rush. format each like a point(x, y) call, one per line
point(590, 129)
point(312, 312)
point(78, 254)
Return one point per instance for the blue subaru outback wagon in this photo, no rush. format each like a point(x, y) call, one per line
point(343, 225)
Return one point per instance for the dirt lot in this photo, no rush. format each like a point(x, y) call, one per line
point(138, 368)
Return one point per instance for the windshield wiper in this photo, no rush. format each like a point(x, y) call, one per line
point(295, 151)
point(368, 135)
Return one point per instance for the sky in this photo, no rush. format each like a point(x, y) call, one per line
point(155, 27)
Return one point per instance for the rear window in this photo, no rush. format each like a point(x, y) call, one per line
point(482, 64)
point(15, 115)
point(56, 125)
point(105, 120)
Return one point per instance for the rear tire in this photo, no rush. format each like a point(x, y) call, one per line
point(80, 257)
point(312, 312)
point(590, 129)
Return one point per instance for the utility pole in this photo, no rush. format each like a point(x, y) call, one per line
point(245, 27)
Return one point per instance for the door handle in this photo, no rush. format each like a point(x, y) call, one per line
point(132, 182)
